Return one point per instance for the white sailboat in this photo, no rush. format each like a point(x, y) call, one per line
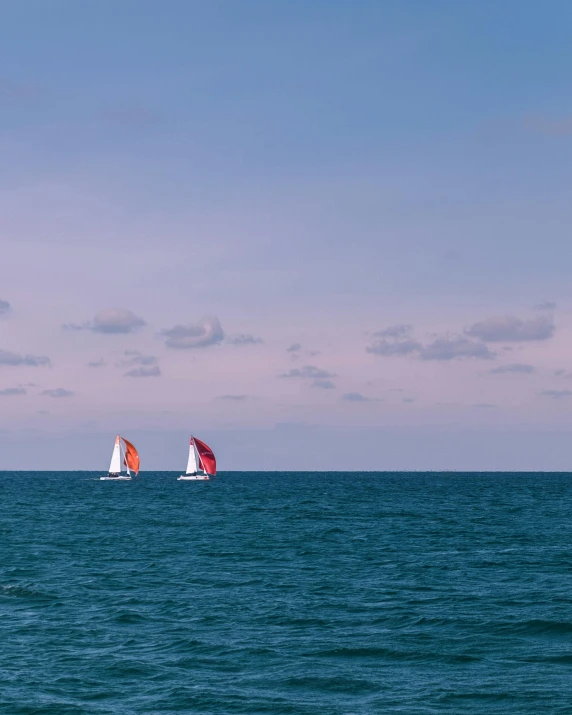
point(201, 463)
point(123, 452)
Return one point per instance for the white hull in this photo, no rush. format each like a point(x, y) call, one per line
point(114, 479)
point(193, 478)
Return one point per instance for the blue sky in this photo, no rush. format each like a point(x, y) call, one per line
point(189, 189)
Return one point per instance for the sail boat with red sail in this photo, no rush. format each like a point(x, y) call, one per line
point(201, 464)
point(123, 451)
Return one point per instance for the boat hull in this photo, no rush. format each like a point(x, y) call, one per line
point(193, 478)
point(113, 479)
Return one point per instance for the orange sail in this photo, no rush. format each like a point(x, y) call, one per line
point(131, 457)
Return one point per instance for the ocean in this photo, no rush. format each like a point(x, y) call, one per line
point(300, 593)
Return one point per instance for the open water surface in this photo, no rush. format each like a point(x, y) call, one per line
point(286, 593)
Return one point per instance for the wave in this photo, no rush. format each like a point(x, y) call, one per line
point(21, 591)
point(536, 626)
point(381, 653)
point(345, 685)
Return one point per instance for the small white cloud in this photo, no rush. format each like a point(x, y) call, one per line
point(58, 392)
point(309, 372)
point(244, 339)
point(454, 348)
point(207, 331)
point(16, 359)
point(111, 322)
point(358, 397)
point(556, 394)
point(134, 357)
point(11, 391)
point(514, 367)
point(153, 371)
point(509, 328)
point(398, 341)
point(97, 363)
point(324, 384)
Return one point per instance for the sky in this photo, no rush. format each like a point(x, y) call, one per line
point(318, 235)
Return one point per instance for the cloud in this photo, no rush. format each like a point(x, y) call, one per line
point(408, 400)
point(357, 397)
point(58, 392)
point(4, 307)
point(514, 367)
point(324, 384)
point(566, 374)
point(296, 351)
point(509, 328)
point(397, 340)
point(112, 322)
point(134, 357)
point(394, 347)
point(143, 371)
point(545, 305)
point(454, 348)
point(484, 405)
point(244, 339)
point(207, 331)
point(97, 363)
point(15, 359)
point(309, 372)
point(9, 391)
point(394, 331)
point(556, 394)
point(117, 321)
point(142, 365)
point(237, 398)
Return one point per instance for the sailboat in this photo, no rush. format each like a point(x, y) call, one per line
point(123, 448)
point(201, 464)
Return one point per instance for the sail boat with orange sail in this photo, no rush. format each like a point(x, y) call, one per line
point(123, 451)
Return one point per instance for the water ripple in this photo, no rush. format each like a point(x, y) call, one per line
point(286, 593)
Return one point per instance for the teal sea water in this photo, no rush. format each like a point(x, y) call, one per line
point(286, 593)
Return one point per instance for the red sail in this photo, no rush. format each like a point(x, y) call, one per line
point(206, 456)
point(131, 457)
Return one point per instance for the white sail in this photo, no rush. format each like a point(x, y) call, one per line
point(192, 466)
point(115, 466)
